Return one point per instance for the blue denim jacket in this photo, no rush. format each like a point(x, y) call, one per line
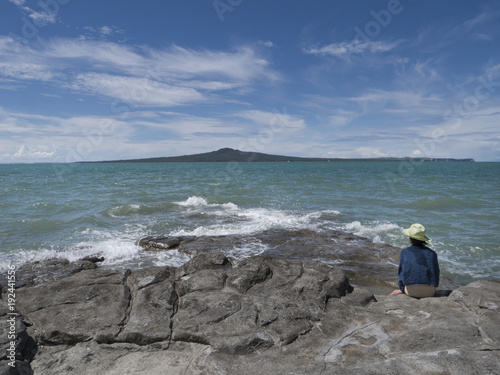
point(418, 266)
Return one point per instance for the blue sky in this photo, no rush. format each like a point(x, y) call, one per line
point(109, 79)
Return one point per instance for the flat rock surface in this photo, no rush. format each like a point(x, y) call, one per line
point(260, 315)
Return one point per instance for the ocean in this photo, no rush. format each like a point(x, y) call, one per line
point(73, 210)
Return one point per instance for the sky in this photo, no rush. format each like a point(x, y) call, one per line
point(124, 79)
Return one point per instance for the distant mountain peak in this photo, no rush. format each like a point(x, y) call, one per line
point(225, 150)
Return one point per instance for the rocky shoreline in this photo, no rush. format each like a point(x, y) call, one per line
point(266, 314)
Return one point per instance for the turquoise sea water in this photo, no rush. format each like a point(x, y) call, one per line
point(73, 210)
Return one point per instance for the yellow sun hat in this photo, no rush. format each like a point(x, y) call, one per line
point(417, 232)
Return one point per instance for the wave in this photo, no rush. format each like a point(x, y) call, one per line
point(137, 209)
point(230, 219)
point(129, 209)
point(195, 201)
point(116, 251)
point(378, 232)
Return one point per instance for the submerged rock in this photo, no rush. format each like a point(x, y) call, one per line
point(259, 315)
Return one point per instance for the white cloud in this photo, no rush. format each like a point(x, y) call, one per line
point(273, 119)
point(338, 120)
point(104, 54)
point(41, 18)
point(209, 85)
point(242, 64)
point(492, 72)
point(346, 49)
point(184, 125)
point(21, 63)
point(369, 152)
point(106, 30)
point(340, 117)
point(136, 91)
point(266, 43)
point(39, 153)
point(25, 71)
point(400, 99)
point(139, 75)
point(46, 14)
point(480, 19)
point(32, 138)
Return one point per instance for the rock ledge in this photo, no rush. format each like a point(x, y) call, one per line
point(265, 314)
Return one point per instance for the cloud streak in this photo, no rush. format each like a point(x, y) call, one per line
point(138, 92)
point(42, 17)
point(141, 76)
point(347, 49)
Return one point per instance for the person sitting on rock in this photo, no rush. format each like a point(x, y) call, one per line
point(418, 273)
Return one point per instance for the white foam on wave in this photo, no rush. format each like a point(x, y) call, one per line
point(378, 232)
point(199, 202)
point(244, 221)
point(121, 249)
point(117, 249)
point(331, 212)
point(247, 250)
point(115, 253)
point(193, 201)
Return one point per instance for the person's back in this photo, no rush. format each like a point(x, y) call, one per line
point(418, 266)
point(418, 273)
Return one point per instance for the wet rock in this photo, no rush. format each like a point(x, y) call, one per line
point(159, 243)
point(93, 259)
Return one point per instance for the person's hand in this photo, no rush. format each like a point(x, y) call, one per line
point(396, 292)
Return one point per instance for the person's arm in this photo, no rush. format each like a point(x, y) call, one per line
point(437, 270)
point(402, 267)
point(400, 273)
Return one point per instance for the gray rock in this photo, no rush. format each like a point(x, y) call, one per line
point(261, 315)
point(153, 304)
point(17, 348)
point(483, 299)
point(159, 243)
point(259, 302)
point(91, 304)
point(30, 274)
